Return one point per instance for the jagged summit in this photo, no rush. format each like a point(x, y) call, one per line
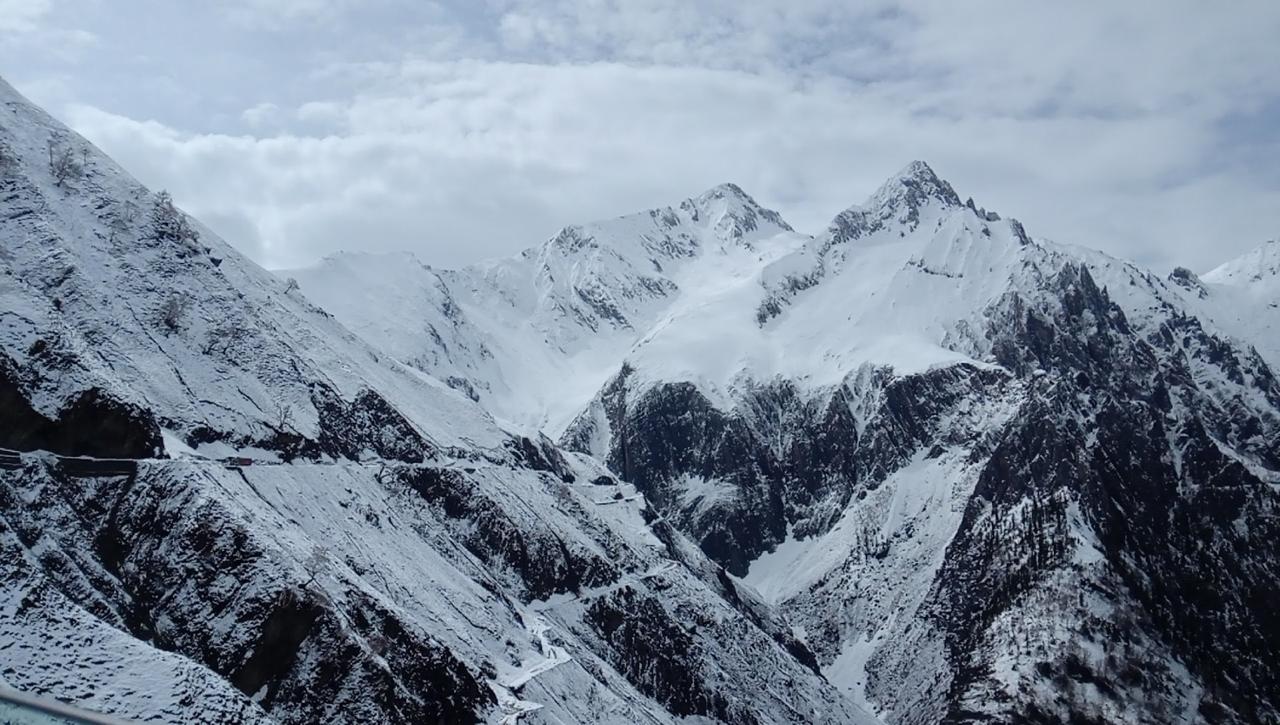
point(721, 217)
point(733, 214)
point(902, 200)
point(726, 189)
point(730, 200)
point(912, 187)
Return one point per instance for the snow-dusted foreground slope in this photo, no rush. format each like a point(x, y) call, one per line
point(985, 475)
point(392, 554)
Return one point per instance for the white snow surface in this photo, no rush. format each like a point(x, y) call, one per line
point(1244, 298)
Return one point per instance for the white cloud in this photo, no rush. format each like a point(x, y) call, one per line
point(17, 16)
point(262, 115)
point(275, 14)
point(28, 29)
point(322, 112)
point(1094, 124)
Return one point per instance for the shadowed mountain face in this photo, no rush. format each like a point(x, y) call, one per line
point(921, 467)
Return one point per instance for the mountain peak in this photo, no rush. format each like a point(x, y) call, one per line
point(726, 190)
point(733, 209)
point(729, 192)
point(918, 169)
point(899, 198)
point(912, 187)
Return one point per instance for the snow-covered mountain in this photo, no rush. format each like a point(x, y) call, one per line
point(984, 475)
point(534, 336)
point(225, 506)
point(687, 464)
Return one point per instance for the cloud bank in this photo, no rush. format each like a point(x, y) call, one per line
point(473, 130)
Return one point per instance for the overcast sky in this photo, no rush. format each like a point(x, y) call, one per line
point(471, 129)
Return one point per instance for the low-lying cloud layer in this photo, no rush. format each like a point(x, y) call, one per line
point(469, 130)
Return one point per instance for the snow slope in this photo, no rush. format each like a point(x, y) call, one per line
point(1243, 295)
